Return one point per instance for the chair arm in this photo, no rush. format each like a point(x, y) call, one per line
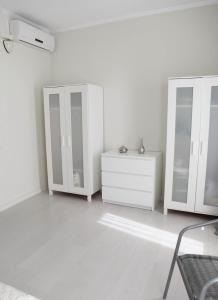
point(214, 221)
point(190, 227)
point(206, 287)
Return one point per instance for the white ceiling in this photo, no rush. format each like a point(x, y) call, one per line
point(61, 15)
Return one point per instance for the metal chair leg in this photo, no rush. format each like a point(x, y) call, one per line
point(173, 264)
point(169, 277)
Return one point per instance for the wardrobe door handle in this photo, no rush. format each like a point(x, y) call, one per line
point(192, 148)
point(201, 148)
point(69, 140)
point(63, 141)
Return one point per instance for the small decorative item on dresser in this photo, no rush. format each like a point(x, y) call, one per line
point(141, 149)
point(123, 149)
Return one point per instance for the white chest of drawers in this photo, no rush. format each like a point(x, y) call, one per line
point(132, 179)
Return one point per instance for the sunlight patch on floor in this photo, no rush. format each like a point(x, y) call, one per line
point(151, 234)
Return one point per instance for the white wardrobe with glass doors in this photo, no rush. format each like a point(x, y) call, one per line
point(74, 138)
point(191, 181)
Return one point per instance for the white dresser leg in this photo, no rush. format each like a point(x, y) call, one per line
point(89, 198)
point(51, 193)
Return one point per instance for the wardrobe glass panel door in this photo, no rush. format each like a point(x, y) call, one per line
point(211, 184)
point(77, 138)
point(55, 132)
point(183, 129)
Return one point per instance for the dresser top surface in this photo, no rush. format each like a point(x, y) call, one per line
point(50, 86)
point(132, 154)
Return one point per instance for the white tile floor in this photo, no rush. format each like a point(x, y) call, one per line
point(63, 248)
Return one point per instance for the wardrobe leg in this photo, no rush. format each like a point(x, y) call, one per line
point(89, 198)
point(165, 211)
point(51, 193)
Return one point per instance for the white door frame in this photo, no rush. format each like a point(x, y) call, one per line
point(47, 92)
point(200, 207)
point(173, 85)
point(68, 90)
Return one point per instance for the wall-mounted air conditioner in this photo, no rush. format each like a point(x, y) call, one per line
point(24, 32)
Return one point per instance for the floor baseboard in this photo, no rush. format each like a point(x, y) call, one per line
point(19, 199)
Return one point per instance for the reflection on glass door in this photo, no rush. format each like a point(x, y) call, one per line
point(211, 185)
point(55, 127)
point(77, 138)
point(184, 106)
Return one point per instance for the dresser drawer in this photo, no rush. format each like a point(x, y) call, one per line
point(126, 165)
point(127, 197)
point(128, 181)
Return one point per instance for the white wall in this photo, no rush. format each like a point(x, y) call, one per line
point(22, 160)
point(132, 61)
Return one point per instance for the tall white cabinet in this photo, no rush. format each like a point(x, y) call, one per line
point(191, 181)
point(74, 138)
